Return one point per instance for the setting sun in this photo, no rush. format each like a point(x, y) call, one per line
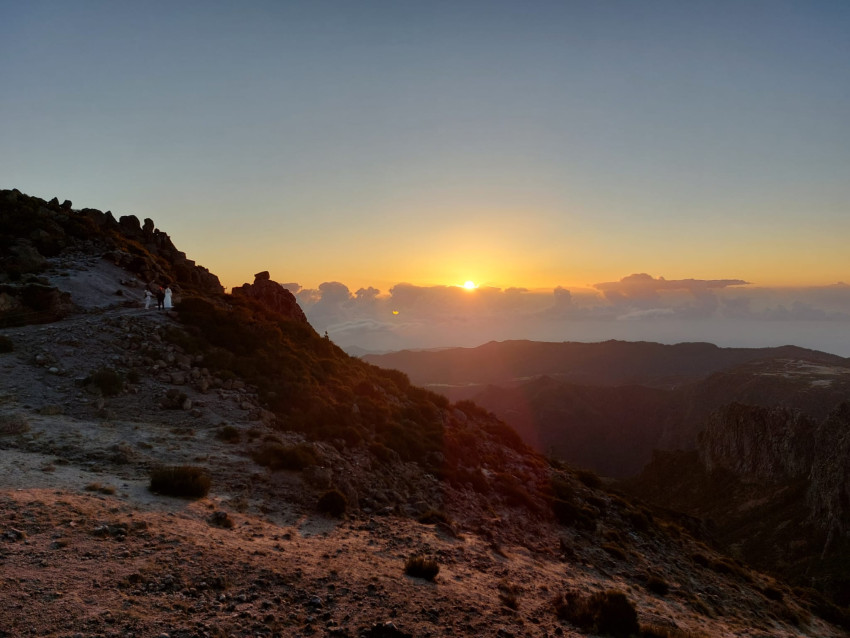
point(470, 285)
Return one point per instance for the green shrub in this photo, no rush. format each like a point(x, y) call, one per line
point(279, 457)
point(421, 567)
point(333, 503)
point(184, 480)
point(109, 381)
point(608, 612)
point(6, 344)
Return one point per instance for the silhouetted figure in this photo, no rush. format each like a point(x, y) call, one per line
point(168, 298)
point(160, 298)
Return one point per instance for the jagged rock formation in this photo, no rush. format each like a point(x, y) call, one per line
point(34, 235)
point(272, 295)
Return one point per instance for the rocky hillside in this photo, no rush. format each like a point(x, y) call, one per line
point(223, 470)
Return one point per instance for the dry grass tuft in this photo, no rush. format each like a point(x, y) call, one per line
point(14, 424)
point(421, 567)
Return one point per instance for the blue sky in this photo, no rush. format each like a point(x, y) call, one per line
point(515, 144)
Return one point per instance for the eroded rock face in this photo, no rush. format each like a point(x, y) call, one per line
point(272, 295)
point(769, 444)
point(829, 480)
point(774, 445)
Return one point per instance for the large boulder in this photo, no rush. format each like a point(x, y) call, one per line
point(272, 295)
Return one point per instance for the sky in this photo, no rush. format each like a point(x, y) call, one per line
point(402, 148)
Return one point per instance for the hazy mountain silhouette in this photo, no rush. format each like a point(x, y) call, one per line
point(607, 363)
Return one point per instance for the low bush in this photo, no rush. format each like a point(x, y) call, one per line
point(657, 585)
point(279, 457)
point(608, 612)
point(772, 593)
point(573, 515)
point(6, 344)
point(102, 489)
point(421, 567)
point(228, 434)
point(222, 519)
point(14, 424)
point(509, 595)
point(731, 568)
point(185, 480)
point(109, 381)
point(653, 630)
point(333, 503)
point(435, 517)
point(614, 550)
point(590, 479)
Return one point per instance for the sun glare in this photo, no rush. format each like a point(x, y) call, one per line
point(470, 285)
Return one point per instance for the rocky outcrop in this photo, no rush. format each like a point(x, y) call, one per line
point(272, 295)
point(32, 231)
point(32, 302)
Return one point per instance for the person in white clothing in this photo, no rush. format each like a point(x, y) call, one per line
point(148, 297)
point(168, 298)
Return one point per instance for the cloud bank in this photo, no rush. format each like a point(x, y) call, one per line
point(729, 312)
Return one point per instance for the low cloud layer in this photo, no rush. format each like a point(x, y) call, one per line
point(729, 312)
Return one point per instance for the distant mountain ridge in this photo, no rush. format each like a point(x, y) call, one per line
point(607, 363)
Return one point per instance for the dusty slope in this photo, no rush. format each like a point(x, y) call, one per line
point(87, 550)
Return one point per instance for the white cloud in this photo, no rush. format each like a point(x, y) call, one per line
point(636, 307)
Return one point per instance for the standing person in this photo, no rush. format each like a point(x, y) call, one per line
point(168, 298)
point(160, 298)
point(148, 298)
